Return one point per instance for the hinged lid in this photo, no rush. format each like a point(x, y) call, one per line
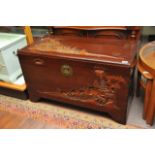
point(96, 49)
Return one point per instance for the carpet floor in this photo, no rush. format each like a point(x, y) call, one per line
point(60, 115)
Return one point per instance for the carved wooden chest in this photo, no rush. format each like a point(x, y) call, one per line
point(93, 72)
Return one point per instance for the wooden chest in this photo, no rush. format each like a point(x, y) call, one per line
point(92, 72)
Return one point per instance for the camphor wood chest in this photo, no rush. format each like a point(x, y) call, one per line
point(88, 67)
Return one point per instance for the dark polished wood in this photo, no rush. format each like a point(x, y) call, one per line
point(117, 32)
point(97, 76)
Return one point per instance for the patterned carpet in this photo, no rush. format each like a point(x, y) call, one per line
point(61, 116)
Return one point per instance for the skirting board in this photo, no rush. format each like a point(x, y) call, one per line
point(14, 93)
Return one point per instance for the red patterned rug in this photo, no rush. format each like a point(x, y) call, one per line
point(58, 115)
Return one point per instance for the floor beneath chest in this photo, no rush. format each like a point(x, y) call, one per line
point(16, 113)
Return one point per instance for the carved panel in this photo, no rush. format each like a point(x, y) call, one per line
point(104, 90)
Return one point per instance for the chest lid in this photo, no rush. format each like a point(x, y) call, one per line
point(111, 50)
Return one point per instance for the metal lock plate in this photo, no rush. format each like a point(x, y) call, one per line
point(66, 70)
